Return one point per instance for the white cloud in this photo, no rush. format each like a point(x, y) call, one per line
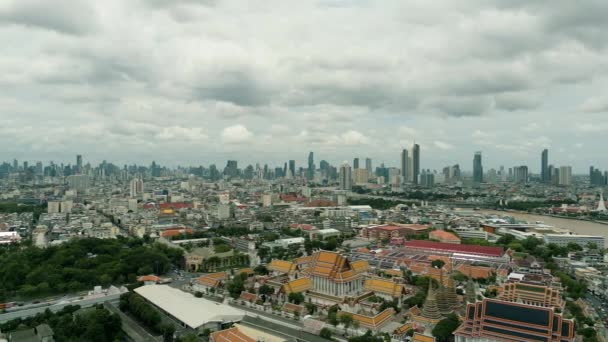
point(443, 145)
point(236, 134)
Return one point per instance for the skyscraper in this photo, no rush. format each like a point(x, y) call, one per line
point(346, 178)
point(368, 165)
point(477, 168)
point(565, 175)
point(311, 166)
point(416, 161)
point(356, 163)
point(544, 167)
point(404, 166)
point(520, 174)
point(292, 168)
point(79, 163)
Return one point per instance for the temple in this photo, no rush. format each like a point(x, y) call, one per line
point(496, 320)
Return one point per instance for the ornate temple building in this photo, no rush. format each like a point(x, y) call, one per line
point(334, 276)
point(537, 295)
point(497, 320)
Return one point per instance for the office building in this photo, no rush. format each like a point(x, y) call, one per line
point(78, 164)
point(565, 175)
point(356, 163)
point(292, 169)
point(311, 166)
point(416, 163)
point(404, 166)
point(136, 187)
point(427, 178)
point(79, 183)
point(346, 178)
point(545, 176)
point(360, 176)
point(520, 174)
point(368, 165)
point(477, 168)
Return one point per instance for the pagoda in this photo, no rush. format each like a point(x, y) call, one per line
point(442, 297)
point(430, 310)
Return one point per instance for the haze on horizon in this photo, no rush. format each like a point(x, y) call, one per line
point(201, 81)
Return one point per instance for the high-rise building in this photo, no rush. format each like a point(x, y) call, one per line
point(231, 169)
point(136, 187)
point(346, 177)
point(565, 175)
point(356, 163)
point(416, 163)
point(292, 168)
point(477, 168)
point(79, 163)
point(368, 165)
point(79, 183)
point(360, 176)
point(544, 167)
point(520, 174)
point(311, 166)
point(404, 166)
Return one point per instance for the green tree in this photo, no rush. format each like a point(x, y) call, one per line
point(437, 263)
point(266, 290)
point(346, 319)
point(260, 270)
point(325, 333)
point(295, 297)
point(445, 328)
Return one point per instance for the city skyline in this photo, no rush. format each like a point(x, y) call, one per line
point(184, 81)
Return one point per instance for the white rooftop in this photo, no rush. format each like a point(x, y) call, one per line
point(194, 312)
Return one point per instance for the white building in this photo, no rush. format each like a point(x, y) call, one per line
point(563, 240)
point(346, 177)
point(565, 175)
point(189, 311)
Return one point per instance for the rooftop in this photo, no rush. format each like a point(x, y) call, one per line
point(192, 311)
point(450, 247)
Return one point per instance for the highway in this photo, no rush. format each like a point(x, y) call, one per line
point(28, 312)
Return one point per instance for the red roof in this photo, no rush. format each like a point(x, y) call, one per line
point(302, 226)
point(176, 205)
point(176, 232)
point(450, 247)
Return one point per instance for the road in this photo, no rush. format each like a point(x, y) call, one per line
point(28, 312)
point(130, 327)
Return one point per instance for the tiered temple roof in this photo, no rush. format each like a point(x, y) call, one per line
point(282, 266)
point(495, 319)
point(298, 285)
point(383, 286)
point(430, 309)
point(334, 266)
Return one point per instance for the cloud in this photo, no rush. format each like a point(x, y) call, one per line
point(74, 17)
point(442, 145)
point(595, 104)
point(236, 134)
point(187, 77)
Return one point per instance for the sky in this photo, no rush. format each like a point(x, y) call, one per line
point(194, 82)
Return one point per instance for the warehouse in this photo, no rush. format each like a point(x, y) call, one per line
point(189, 311)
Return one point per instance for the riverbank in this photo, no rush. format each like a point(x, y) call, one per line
point(586, 227)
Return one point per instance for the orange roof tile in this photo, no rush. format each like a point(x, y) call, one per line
point(418, 337)
point(150, 277)
point(248, 296)
point(298, 285)
point(230, 335)
point(383, 286)
point(373, 322)
point(282, 266)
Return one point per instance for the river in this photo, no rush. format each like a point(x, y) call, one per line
point(576, 226)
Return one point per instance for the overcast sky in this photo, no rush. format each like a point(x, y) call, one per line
point(200, 81)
